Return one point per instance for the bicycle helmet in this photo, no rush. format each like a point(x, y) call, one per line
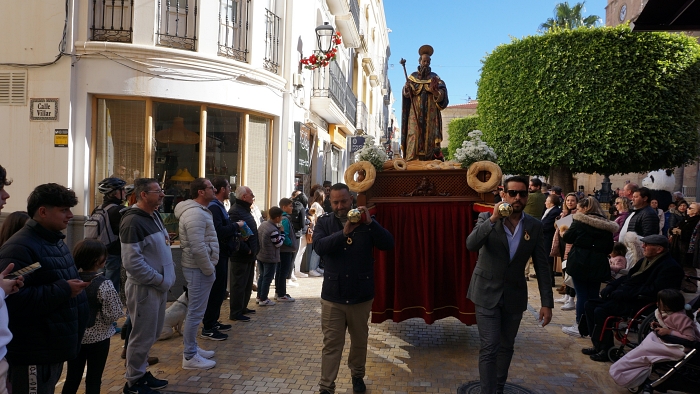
point(109, 185)
point(129, 189)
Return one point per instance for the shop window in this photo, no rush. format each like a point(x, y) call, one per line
point(120, 141)
point(258, 154)
point(223, 139)
point(177, 145)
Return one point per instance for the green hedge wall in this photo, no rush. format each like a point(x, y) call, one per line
point(603, 100)
point(458, 129)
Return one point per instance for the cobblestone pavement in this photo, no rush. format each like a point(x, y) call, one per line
point(279, 351)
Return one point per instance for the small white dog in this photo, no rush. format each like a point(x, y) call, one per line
point(174, 317)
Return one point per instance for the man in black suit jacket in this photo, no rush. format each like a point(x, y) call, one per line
point(550, 215)
point(498, 288)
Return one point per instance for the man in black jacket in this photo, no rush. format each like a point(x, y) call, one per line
point(226, 231)
point(348, 285)
point(626, 295)
point(49, 314)
point(644, 220)
point(243, 261)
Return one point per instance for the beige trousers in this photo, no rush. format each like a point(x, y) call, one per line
point(335, 318)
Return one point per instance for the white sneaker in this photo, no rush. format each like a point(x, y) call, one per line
point(573, 331)
point(197, 362)
point(292, 284)
point(563, 299)
point(320, 270)
point(293, 277)
point(205, 353)
point(315, 273)
point(570, 305)
point(302, 275)
point(285, 298)
point(267, 302)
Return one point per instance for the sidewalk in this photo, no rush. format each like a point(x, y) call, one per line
point(279, 351)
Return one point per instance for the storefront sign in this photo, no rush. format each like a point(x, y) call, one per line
point(303, 142)
point(60, 138)
point(356, 144)
point(43, 109)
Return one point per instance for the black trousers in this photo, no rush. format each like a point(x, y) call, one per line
point(42, 378)
point(242, 271)
point(95, 355)
point(217, 294)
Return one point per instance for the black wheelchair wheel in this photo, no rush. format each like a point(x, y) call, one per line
point(635, 390)
point(615, 353)
point(645, 327)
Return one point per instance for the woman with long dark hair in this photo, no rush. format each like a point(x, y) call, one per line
point(13, 222)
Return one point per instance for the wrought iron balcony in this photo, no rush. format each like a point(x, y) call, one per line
point(112, 20)
point(272, 41)
point(332, 96)
point(177, 24)
point(233, 29)
point(362, 114)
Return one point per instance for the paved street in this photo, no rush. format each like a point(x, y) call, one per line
point(279, 351)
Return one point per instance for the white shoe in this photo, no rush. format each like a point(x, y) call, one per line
point(570, 305)
point(293, 277)
point(205, 353)
point(302, 275)
point(292, 284)
point(315, 273)
point(320, 270)
point(267, 302)
point(563, 299)
point(573, 331)
point(197, 362)
point(285, 298)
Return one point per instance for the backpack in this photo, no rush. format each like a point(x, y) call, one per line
point(297, 217)
point(98, 226)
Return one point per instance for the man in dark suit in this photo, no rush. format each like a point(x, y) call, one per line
point(498, 288)
point(550, 215)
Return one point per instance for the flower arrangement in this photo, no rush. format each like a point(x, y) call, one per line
point(372, 153)
point(474, 149)
point(318, 60)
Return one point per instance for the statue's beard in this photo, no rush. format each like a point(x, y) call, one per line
point(423, 71)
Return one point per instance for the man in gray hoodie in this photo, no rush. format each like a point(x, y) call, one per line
point(200, 254)
point(150, 272)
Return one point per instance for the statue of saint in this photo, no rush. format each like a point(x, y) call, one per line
point(424, 96)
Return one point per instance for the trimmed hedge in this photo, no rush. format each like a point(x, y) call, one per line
point(603, 100)
point(458, 129)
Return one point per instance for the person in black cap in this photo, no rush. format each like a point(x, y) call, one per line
point(626, 295)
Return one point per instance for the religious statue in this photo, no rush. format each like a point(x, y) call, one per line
point(424, 96)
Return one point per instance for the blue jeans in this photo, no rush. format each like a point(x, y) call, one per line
point(267, 272)
point(198, 289)
point(113, 270)
point(585, 290)
point(314, 260)
point(283, 269)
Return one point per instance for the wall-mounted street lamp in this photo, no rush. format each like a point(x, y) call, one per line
point(324, 37)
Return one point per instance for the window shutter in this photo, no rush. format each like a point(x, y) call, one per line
point(13, 87)
point(258, 139)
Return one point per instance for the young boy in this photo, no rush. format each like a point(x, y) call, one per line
point(289, 247)
point(271, 237)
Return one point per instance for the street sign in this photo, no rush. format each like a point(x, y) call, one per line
point(43, 109)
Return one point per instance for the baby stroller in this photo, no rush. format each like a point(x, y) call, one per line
point(678, 375)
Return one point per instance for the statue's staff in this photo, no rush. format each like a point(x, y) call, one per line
point(413, 103)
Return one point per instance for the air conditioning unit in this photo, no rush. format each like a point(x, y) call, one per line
point(297, 80)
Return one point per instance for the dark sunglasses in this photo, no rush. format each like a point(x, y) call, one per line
point(513, 193)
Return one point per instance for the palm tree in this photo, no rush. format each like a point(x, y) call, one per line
point(567, 17)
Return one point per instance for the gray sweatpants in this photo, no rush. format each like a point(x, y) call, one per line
point(147, 310)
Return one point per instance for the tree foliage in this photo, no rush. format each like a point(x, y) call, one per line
point(458, 129)
point(603, 100)
point(567, 17)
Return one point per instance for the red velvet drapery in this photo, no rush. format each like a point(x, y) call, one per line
point(427, 273)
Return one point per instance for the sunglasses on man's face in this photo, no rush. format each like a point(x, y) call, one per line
point(513, 193)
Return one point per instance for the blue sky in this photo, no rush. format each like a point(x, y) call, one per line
point(462, 32)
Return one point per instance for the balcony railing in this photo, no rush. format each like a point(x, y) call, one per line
point(331, 82)
point(272, 41)
point(355, 11)
point(177, 24)
point(233, 29)
point(112, 20)
point(362, 113)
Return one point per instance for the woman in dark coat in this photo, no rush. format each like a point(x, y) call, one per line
point(681, 236)
point(591, 236)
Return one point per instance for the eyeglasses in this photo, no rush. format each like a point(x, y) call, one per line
point(513, 193)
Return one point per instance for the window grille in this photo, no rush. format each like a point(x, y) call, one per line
point(272, 41)
point(112, 20)
point(233, 29)
point(177, 24)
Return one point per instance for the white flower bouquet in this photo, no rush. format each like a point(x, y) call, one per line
point(474, 149)
point(372, 153)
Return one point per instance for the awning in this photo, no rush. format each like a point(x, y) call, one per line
point(668, 15)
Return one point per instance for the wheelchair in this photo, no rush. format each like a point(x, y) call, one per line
point(629, 331)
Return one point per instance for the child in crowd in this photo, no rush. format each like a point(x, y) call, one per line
point(617, 259)
point(7, 287)
point(675, 319)
point(289, 247)
point(270, 237)
point(90, 256)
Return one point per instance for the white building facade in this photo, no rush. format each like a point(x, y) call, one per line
point(178, 89)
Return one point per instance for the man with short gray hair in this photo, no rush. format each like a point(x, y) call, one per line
point(243, 260)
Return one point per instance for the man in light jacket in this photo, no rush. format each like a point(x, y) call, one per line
point(200, 254)
point(150, 272)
